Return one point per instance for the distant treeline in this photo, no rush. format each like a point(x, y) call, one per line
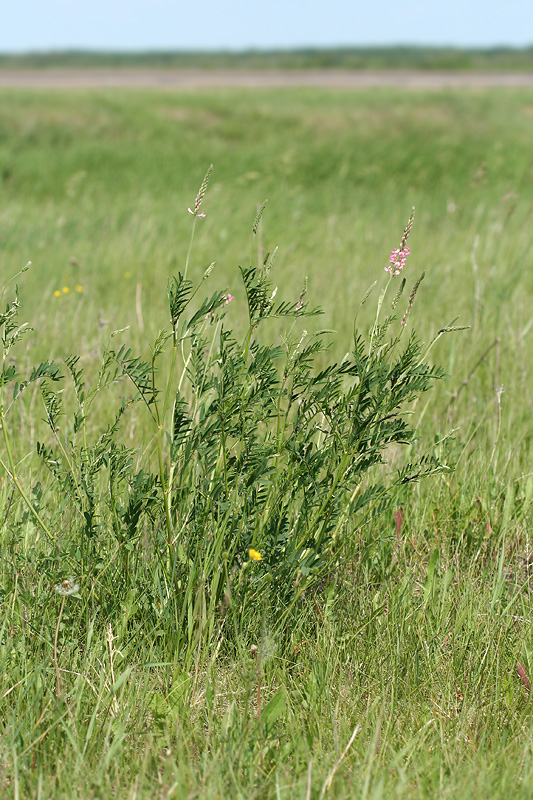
point(356, 58)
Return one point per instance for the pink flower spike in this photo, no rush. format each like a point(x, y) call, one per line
point(195, 213)
point(227, 298)
point(397, 260)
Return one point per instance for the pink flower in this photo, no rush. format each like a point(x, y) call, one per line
point(397, 260)
point(398, 256)
point(227, 297)
point(195, 213)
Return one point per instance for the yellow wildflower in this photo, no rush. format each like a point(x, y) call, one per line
point(254, 555)
point(65, 290)
point(79, 288)
point(57, 293)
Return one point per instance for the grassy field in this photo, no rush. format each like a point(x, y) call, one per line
point(420, 58)
point(397, 674)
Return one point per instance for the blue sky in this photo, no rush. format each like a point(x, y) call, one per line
point(240, 24)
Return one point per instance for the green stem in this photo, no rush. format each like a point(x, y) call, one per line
point(58, 682)
point(190, 248)
point(378, 311)
point(161, 467)
point(67, 459)
point(170, 378)
point(224, 465)
point(11, 471)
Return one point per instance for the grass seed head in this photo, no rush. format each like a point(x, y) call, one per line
point(258, 216)
point(201, 193)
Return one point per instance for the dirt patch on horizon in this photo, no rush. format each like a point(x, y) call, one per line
point(201, 79)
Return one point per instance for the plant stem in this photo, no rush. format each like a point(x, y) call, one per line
point(161, 467)
point(11, 471)
point(254, 651)
point(58, 682)
point(378, 311)
point(191, 240)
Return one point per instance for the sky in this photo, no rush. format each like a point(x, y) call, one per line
point(28, 25)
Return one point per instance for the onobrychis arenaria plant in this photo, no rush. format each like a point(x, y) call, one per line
point(398, 255)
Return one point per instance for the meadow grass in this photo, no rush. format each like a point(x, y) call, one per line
point(402, 57)
point(409, 644)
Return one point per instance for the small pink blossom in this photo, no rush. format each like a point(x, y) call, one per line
point(227, 298)
point(523, 674)
point(398, 256)
point(397, 260)
point(195, 213)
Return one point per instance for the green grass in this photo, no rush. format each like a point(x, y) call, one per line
point(416, 633)
point(400, 57)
